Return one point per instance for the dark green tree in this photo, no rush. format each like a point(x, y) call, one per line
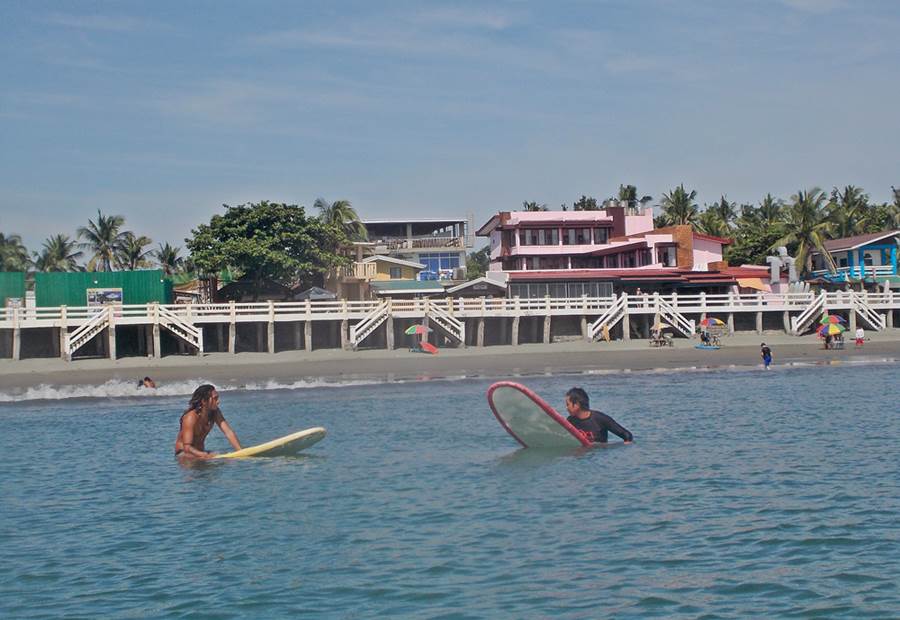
point(130, 254)
point(849, 211)
point(268, 241)
point(585, 203)
point(342, 215)
point(13, 254)
point(533, 206)
point(806, 227)
point(168, 258)
point(102, 239)
point(59, 253)
point(678, 207)
point(478, 262)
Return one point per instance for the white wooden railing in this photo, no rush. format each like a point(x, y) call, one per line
point(196, 314)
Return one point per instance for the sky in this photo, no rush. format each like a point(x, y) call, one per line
point(163, 111)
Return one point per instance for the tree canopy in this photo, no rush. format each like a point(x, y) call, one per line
point(267, 241)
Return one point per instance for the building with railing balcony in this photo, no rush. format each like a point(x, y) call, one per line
point(616, 249)
point(868, 258)
point(439, 244)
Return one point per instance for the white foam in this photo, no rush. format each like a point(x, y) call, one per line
point(115, 388)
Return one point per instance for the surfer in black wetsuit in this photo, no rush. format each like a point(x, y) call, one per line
point(594, 424)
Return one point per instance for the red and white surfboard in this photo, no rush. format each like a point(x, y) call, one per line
point(530, 420)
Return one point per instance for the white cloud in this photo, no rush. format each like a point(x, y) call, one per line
point(816, 6)
point(110, 23)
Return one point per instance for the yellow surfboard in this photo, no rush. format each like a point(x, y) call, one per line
point(288, 445)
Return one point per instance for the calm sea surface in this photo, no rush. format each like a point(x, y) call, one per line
point(746, 494)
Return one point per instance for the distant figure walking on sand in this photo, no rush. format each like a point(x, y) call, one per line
point(766, 354)
point(202, 412)
point(860, 336)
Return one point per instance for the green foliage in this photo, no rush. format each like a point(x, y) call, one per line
point(678, 207)
point(806, 227)
point(168, 258)
point(849, 211)
point(585, 203)
point(130, 253)
point(478, 262)
point(628, 194)
point(268, 241)
point(341, 214)
point(59, 253)
point(13, 254)
point(533, 206)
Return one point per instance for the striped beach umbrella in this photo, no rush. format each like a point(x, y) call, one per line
point(831, 329)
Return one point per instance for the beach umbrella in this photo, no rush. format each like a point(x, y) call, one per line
point(831, 329)
point(417, 329)
point(712, 322)
point(662, 326)
point(429, 348)
point(832, 319)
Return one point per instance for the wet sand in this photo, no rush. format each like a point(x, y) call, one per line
point(498, 361)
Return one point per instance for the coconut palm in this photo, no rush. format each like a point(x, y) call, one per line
point(131, 254)
point(13, 254)
point(533, 206)
point(168, 258)
point(342, 215)
point(806, 226)
point(849, 211)
point(770, 211)
point(628, 194)
point(60, 253)
point(102, 239)
point(678, 207)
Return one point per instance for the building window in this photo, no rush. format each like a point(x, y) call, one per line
point(601, 236)
point(396, 273)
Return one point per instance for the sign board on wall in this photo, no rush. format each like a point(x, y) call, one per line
point(104, 296)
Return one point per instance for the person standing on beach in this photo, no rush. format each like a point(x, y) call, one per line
point(594, 424)
point(196, 423)
point(766, 354)
point(860, 336)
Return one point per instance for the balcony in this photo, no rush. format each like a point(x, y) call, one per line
point(357, 271)
point(842, 274)
point(393, 244)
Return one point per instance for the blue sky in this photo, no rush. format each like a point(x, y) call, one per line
point(162, 111)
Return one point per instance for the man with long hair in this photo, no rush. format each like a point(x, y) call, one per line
point(196, 423)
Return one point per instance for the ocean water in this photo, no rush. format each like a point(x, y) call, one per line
point(746, 494)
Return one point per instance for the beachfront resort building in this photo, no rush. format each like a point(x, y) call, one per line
point(867, 259)
point(406, 258)
point(606, 252)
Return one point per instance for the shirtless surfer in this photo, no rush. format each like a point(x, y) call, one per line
point(594, 424)
point(203, 411)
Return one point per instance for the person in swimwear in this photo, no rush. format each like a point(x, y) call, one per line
point(146, 382)
point(594, 424)
point(196, 423)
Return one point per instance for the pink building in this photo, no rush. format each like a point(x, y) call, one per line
point(571, 253)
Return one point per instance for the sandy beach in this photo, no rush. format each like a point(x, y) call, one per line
point(497, 361)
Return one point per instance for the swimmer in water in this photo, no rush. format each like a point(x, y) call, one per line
point(196, 423)
point(595, 425)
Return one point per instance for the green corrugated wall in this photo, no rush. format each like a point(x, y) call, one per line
point(12, 284)
point(70, 289)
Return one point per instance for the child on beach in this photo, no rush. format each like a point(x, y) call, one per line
point(860, 336)
point(766, 354)
point(594, 424)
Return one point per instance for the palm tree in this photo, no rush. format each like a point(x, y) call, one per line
point(533, 206)
point(59, 253)
point(130, 254)
point(342, 215)
point(849, 211)
point(770, 211)
point(103, 239)
point(710, 223)
point(168, 258)
point(807, 227)
point(678, 207)
point(628, 195)
point(724, 212)
point(13, 254)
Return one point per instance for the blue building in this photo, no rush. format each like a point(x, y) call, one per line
point(869, 258)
